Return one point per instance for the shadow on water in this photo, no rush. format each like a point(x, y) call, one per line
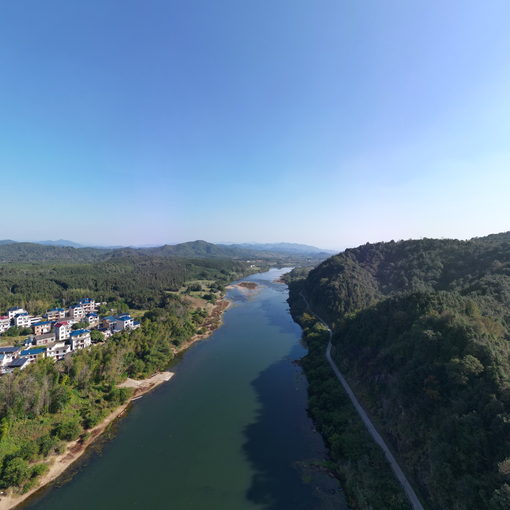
point(284, 478)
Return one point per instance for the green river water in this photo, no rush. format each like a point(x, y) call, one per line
point(228, 432)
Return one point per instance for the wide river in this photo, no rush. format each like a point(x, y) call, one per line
point(229, 432)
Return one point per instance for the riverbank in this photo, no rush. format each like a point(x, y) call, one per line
point(59, 463)
point(75, 449)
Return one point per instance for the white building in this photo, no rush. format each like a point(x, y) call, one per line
point(15, 310)
point(5, 323)
point(88, 305)
point(58, 350)
point(62, 330)
point(8, 355)
point(55, 314)
point(93, 319)
point(76, 312)
point(80, 339)
point(23, 320)
point(123, 322)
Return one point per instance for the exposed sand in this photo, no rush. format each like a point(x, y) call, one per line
point(75, 449)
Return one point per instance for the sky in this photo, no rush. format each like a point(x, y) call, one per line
point(326, 122)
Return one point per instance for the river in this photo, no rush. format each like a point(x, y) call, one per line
point(228, 432)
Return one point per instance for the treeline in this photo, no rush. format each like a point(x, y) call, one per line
point(139, 282)
point(355, 459)
point(50, 403)
point(421, 329)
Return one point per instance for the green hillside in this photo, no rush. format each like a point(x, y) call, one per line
point(421, 330)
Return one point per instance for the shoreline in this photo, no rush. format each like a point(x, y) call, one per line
point(59, 463)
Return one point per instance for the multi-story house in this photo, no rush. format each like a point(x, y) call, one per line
point(123, 322)
point(58, 350)
point(40, 328)
point(76, 312)
point(5, 323)
point(93, 319)
point(23, 320)
point(34, 320)
point(8, 354)
point(55, 314)
point(108, 322)
point(44, 339)
point(18, 363)
point(34, 353)
point(88, 304)
point(80, 339)
point(62, 330)
point(15, 310)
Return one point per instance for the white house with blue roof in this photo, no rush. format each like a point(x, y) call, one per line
point(80, 339)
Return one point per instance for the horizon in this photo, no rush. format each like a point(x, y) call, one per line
point(330, 124)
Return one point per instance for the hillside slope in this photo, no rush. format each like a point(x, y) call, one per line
point(422, 332)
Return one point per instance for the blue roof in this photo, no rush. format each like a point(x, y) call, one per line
point(92, 314)
point(136, 323)
point(79, 332)
point(14, 308)
point(34, 350)
point(124, 317)
point(57, 310)
point(19, 362)
point(24, 313)
point(86, 300)
point(42, 323)
point(5, 350)
point(75, 306)
point(109, 318)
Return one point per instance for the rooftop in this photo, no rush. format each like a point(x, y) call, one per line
point(80, 332)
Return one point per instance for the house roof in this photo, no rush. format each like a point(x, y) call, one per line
point(57, 310)
point(4, 317)
point(86, 300)
point(42, 323)
point(19, 362)
point(14, 308)
point(46, 335)
point(92, 314)
point(33, 350)
point(61, 323)
point(124, 317)
point(80, 332)
point(5, 350)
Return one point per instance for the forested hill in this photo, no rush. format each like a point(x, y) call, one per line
point(11, 251)
point(421, 329)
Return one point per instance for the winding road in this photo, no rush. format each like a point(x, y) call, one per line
point(399, 474)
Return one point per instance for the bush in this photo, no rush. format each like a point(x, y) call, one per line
point(67, 430)
point(15, 472)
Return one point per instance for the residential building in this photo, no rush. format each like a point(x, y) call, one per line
point(123, 322)
point(80, 339)
point(107, 332)
point(34, 353)
point(93, 319)
point(44, 339)
point(8, 354)
point(19, 363)
point(136, 324)
point(23, 320)
point(62, 330)
point(58, 350)
point(88, 304)
point(108, 322)
point(15, 310)
point(76, 312)
point(40, 328)
point(34, 320)
point(5, 323)
point(55, 314)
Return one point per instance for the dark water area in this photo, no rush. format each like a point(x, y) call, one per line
point(228, 432)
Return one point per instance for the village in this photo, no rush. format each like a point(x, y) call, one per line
point(55, 335)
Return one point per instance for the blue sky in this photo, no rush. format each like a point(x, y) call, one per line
point(326, 122)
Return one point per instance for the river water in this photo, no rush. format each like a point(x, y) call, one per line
point(228, 432)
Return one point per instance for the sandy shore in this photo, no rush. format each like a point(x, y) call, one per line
point(75, 449)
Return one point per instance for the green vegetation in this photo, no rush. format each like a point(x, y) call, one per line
point(421, 330)
point(355, 459)
point(47, 402)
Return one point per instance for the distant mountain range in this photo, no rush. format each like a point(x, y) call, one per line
point(63, 250)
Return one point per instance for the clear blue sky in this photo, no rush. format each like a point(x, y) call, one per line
point(326, 122)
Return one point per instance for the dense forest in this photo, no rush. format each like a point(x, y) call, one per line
point(421, 330)
point(139, 281)
point(48, 403)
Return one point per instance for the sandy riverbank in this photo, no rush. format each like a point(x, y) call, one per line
point(75, 449)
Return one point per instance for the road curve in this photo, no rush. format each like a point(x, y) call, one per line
point(401, 477)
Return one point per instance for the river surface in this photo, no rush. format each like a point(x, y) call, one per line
point(228, 432)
